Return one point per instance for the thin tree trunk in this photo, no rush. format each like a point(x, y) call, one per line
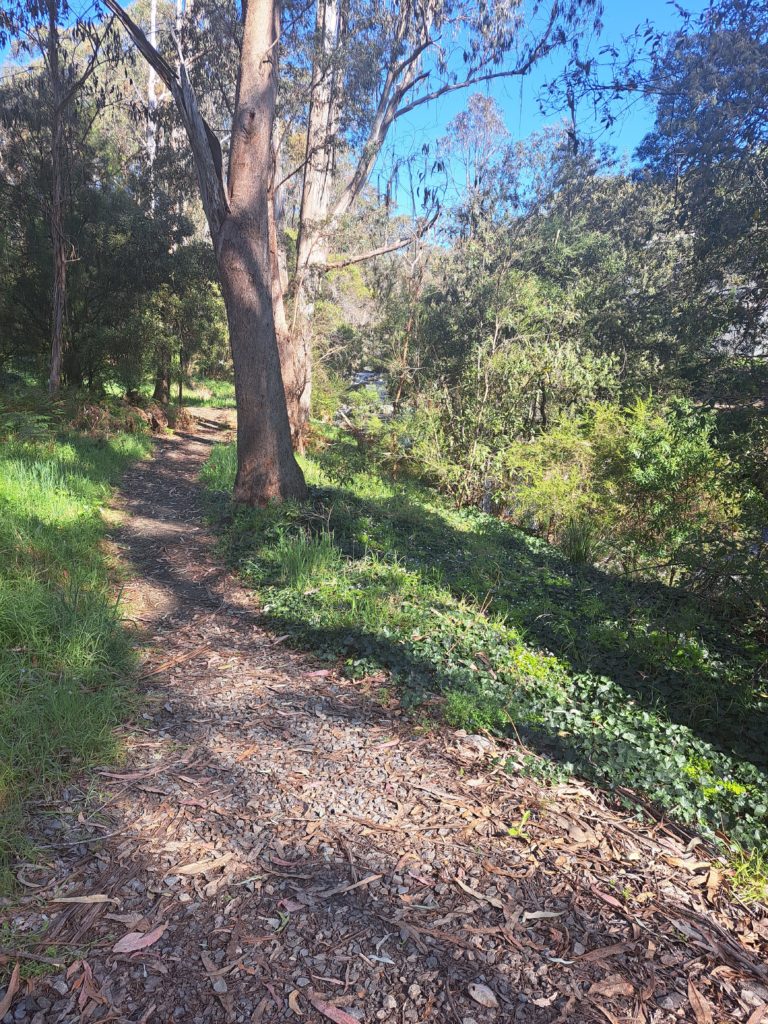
point(152, 109)
point(162, 392)
point(290, 367)
point(312, 242)
point(59, 291)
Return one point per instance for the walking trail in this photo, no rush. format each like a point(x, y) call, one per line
point(283, 844)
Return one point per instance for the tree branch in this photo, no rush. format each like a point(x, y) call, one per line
point(206, 150)
point(401, 243)
point(145, 48)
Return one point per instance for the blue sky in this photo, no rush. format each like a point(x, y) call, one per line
point(517, 98)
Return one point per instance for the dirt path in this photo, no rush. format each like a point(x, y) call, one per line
point(288, 849)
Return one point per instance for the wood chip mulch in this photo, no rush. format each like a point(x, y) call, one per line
point(281, 846)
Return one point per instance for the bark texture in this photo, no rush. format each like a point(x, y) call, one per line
point(239, 225)
point(312, 242)
point(59, 289)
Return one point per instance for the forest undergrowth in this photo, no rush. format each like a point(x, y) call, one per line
point(632, 685)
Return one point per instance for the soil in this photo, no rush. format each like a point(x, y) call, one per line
point(284, 844)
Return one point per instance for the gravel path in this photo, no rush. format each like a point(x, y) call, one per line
point(283, 844)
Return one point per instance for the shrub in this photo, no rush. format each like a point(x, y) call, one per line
point(648, 485)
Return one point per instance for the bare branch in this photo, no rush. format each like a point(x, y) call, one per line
point(206, 149)
point(401, 243)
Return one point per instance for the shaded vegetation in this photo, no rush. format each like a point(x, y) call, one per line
point(629, 684)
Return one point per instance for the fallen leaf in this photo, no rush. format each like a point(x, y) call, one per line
point(293, 1002)
point(702, 1008)
point(612, 987)
point(493, 900)
point(757, 1015)
point(610, 900)
point(332, 1012)
point(10, 992)
point(714, 882)
point(606, 1013)
point(483, 995)
point(199, 867)
point(97, 897)
point(248, 752)
point(602, 953)
point(134, 941)
point(538, 915)
point(289, 906)
point(348, 888)
point(135, 776)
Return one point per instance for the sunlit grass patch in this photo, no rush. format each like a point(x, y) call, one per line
point(63, 651)
point(750, 876)
point(218, 394)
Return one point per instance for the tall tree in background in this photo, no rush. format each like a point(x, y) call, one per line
point(374, 63)
point(238, 219)
point(35, 26)
point(710, 84)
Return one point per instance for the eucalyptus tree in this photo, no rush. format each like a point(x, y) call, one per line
point(710, 146)
point(238, 219)
point(374, 63)
point(67, 49)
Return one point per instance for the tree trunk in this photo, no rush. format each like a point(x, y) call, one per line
point(239, 226)
point(162, 392)
point(59, 291)
point(312, 242)
point(266, 467)
point(288, 364)
point(152, 109)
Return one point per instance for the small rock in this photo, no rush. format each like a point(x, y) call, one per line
point(483, 995)
point(389, 1003)
point(219, 986)
point(414, 992)
point(673, 1001)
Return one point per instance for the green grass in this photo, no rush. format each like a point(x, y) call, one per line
point(205, 391)
point(750, 876)
point(218, 394)
point(627, 684)
point(63, 651)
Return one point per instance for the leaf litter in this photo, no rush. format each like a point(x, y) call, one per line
point(301, 853)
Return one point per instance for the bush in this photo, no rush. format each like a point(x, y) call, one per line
point(651, 480)
point(629, 683)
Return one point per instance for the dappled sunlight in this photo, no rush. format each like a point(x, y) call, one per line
point(624, 681)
